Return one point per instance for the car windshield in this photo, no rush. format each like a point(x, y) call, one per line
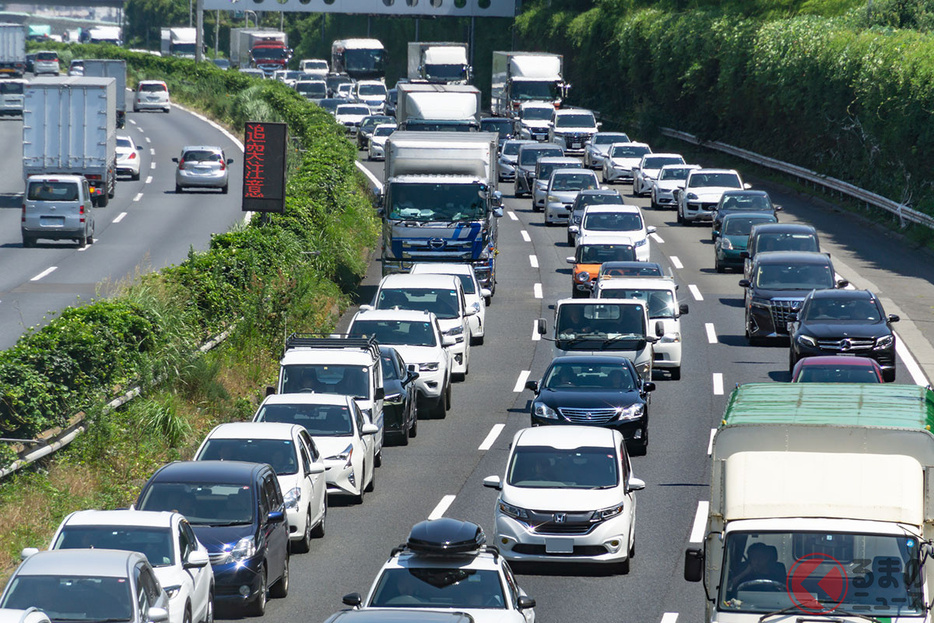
point(786, 276)
point(345, 380)
point(812, 373)
point(563, 182)
point(52, 191)
point(841, 310)
point(501, 126)
point(660, 303)
point(531, 156)
point(536, 113)
point(385, 130)
point(613, 221)
point(634, 269)
point(203, 504)
point(152, 87)
point(440, 301)
point(72, 598)
point(678, 173)
point(202, 155)
point(545, 168)
point(580, 120)
point(724, 180)
point(315, 65)
point(317, 89)
point(629, 151)
point(511, 148)
point(371, 89)
point(11, 88)
point(742, 225)
point(584, 200)
point(371, 122)
point(746, 203)
point(156, 543)
point(600, 321)
point(438, 587)
point(544, 467)
point(589, 377)
point(786, 242)
point(609, 139)
point(396, 332)
point(352, 110)
point(657, 162)
point(279, 453)
point(600, 253)
point(318, 420)
point(268, 54)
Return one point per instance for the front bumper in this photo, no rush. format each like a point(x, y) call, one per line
point(667, 355)
point(631, 430)
point(507, 171)
point(603, 542)
point(430, 384)
point(699, 211)
point(341, 478)
point(231, 577)
point(885, 357)
point(617, 174)
point(539, 195)
point(460, 355)
point(558, 212)
point(664, 198)
point(730, 257)
point(377, 152)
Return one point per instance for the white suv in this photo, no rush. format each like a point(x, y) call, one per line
point(571, 129)
point(477, 296)
point(646, 172)
point(568, 496)
point(620, 159)
point(702, 191)
point(624, 221)
point(417, 337)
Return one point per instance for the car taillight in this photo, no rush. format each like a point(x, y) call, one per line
point(81, 209)
point(23, 219)
point(93, 177)
point(223, 166)
point(181, 164)
point(132, 155)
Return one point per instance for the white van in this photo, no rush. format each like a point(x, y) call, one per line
point(57, 207)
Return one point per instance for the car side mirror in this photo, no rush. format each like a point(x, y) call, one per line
point(659, 329)
point(369, 429)
point(366, 308)
point(486, 293)
point(525, 602)
point(448, 340)
point(270, 390)
point(744, 255)
point(139, 148)
point(599, 124)
point(275, 517)
point(352, 599)
point(894, 318)
point(747, 186)
point(493, 482)
point(842, 283)
point(497, 198)
point(570, 259)
point(648, 386)
point(196, 559)
point(693, 564)
point(473, 309)
point(532, 385)
point(498, 211)
point(777, 208)
point(379, 394)
point(541, 326)
point(410, 376)
point(157, 615)
point(229, 160)
point(315, 468)
point(174, 159)
point(683, 308)
point(744, 283)
point(574, 229)
point(27, 552)
point(651, 229)
point(635, 484)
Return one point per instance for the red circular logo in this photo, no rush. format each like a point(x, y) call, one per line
point(817, 572)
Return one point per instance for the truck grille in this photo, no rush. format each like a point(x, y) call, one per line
point(781, 313)
point(588, 416)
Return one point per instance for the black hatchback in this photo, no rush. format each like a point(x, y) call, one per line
point(597, 391)
point(737, 201)
point(399, 410)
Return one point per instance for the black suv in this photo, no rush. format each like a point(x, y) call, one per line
point(777, 284)
point(779, 237)
point(844, 322)
point(736, 201)
point(597, 391)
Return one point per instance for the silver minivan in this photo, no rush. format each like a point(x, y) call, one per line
point(57, 207)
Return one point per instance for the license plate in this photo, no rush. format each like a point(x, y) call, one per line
point(52, 221)
point(559, 546)
point(575, 145)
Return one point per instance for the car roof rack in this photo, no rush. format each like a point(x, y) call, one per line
point(446, 538)
point(331, 340)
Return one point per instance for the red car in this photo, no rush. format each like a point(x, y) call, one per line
point(837, 369)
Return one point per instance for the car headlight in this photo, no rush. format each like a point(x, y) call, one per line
point(554, 199)
point(292, 497)
point(691, 196)
point(632, 412)
point(725, 243)
point(540, 409)
point(245, 548)
point(671, 338)
point(458, 330)
point(759, 302)
point(345, 456)
point(431, 366)
point(640, 243)
point(885, 341)
point(582, 277)
point(172, 591)
point(606, 513)
point(394, 399)
point(807, 340)
point(513, 511)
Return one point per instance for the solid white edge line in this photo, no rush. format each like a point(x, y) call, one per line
point(695, 292)
point(536, 336)
point(442, 506)
point(676, 262)
point(711, 333)
point(717, 384)
point(512, 215)
point(148, 179)
point(138, 197)
point(533, 261)
point(700, 522)
point(119, 217)
point(670, 617)
point(370, 176)
point(657, 238)
point(917, 374)
point(525, 235)
point(537, 290)
point(49, 270)
point(520, 382)
point(713, 431)
point(491, 437)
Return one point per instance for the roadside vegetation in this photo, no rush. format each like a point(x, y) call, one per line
point(288, 272)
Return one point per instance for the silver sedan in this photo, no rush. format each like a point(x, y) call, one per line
point(202, 167)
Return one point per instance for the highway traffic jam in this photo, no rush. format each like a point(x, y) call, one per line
point(818, 506)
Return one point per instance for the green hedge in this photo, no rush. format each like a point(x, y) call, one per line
point(826, 93)
point(265, 276)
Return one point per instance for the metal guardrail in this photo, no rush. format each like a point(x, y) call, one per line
point(903, 212)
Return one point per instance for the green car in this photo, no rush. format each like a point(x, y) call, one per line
point(730, 244)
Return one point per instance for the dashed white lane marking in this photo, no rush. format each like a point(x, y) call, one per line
point(533, 261)
point(670, 617)
point(713, 431)
point(717, 384)
point(491, 438)
point(149, 179)
point(537, 290)
point(134, 123)
point(152, 151)
point(120, 217)
point(525, 236)
point(138, 197)
point(695, 292)
point(147, 139)
point(536, 336)
point(917, 374)
point(512, 215)
point(711, 333)
point(700, 522)
point(50, 269)
point(152, 165)
point(520, 382)
point(657, 238)
point(442, 506)
point(676, 262)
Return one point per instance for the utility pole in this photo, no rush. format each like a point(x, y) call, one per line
point(199, 33)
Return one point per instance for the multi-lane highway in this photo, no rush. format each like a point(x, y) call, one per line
point(145, 227)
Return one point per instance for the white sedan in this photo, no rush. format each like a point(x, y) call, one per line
point(376, 149)
point(620, 159)
point(646, 172)
point(128, 157)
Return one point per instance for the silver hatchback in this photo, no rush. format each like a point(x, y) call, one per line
point(202, 167)
point(57, 207)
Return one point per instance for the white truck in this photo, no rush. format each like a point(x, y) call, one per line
point(69, 128)
point(181, 42)
point(520, 77)
point(260, 48)
point(110, 68)
point(12, 50)
point(440, 202)
point(821, 506)
point(439, 62)
point(106, 34)
point(438, 107)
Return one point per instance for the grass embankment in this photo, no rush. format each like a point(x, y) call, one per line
point(290, 272)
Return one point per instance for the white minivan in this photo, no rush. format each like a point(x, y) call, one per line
point(57, 207)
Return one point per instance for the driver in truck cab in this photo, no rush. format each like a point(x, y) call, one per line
point(761, 564)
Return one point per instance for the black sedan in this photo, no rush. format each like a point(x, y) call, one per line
point(594, 390)
point(742, 201)
point(399, 416)
point(844, 322)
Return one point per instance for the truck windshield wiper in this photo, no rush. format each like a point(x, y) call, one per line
point(628, 336)
point(836, 613)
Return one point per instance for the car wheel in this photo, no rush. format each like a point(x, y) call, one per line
point(318, 531)
point(642, 445)
point(28, 241)
point(477, 341)
point(676, 373)
point(378, 459)
point(209, 611)
point(413, 432)
point(372, 485)
point(570, 240)
point(888, 375)
point(718, 266)
point(135, 176)
point(622, 568)
point(103, 201)
point(439, 411)
point(302, 545)
point(224, 189)
point(280, 589)
point(83, 240)
point(362, 494)
point(178, 189)
point(448, 397)
point(91, 237)
point(257, 607)
point(135, 109)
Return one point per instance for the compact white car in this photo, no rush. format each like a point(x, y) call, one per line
point(563, 188)
point(595, 150)
point(508, 156)
point(373, 93)
point(293, 455)
point(445, 566)
point(568, 496)
point(376, 149)
point(625, 221)
point(350, 116)
point(534, 120)
point(314, 67)
point(442, 295)
point(179, 560)
point(703, 189)
point(572, 128)
point(646, 172)
point(478, 297)
point(620, 159)
point(152, 95)
point(340, 431)
point(671, 178)
point(661, 298)
point(543, 169)
point(128, 157)
point(417, 336)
